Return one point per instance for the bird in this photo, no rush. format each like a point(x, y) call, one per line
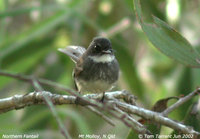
point(96, 68)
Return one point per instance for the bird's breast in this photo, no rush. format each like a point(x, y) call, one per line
point(104, 71)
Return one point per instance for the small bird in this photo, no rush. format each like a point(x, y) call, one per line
point(97, 69)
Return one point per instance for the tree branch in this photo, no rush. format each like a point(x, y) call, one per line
point(112, 103)
point(34, 98)
point(37, 98)
point(134, 124)
point(180, 102)
point(156, 117)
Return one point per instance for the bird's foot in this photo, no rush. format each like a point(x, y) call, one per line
point(103, 97)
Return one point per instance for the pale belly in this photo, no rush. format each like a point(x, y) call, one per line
point(93, 87)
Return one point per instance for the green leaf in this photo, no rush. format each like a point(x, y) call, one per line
point(168, 41)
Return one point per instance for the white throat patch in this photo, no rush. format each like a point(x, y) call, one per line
point(106, 58)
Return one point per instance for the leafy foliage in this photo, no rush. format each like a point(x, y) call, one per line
point(168, 41)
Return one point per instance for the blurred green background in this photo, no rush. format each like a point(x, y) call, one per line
point(32, 31)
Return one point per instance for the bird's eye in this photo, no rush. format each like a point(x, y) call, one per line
point(97, 47)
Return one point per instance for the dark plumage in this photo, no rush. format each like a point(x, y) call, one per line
point(97, 69)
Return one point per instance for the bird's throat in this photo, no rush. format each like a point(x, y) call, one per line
point(106, 58)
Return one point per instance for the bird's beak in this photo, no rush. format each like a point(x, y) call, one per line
point(107, 51)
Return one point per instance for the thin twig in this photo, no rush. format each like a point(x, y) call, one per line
point(49, 103)
point(135, 125)
point(156, 117)
point(180, 102)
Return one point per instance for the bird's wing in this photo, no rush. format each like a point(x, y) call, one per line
point(74, 52)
